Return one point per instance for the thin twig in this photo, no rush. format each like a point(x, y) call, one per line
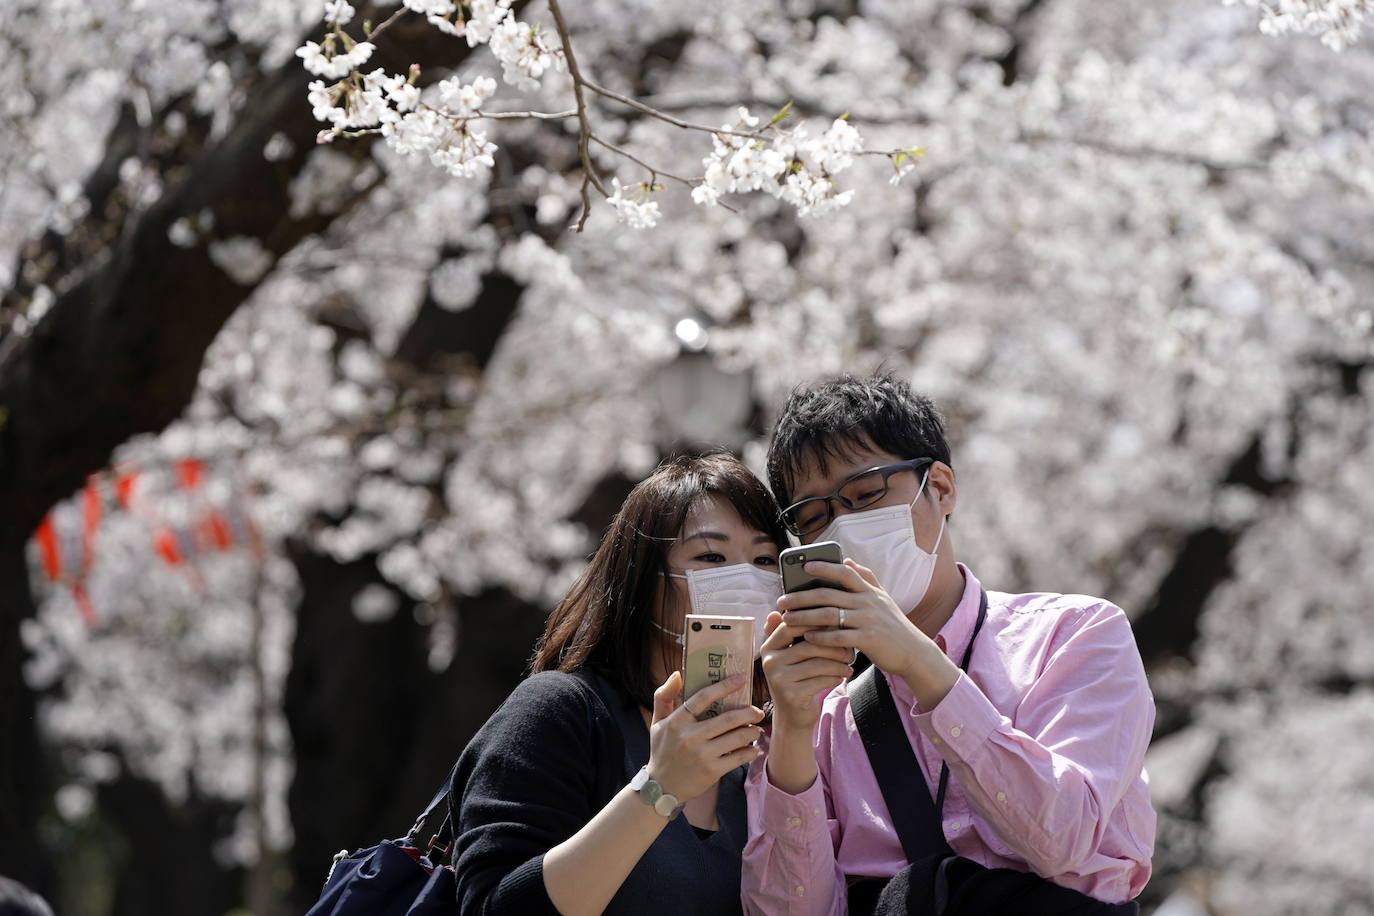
point(527, 115)
point(653, 172)
point(589, 175)
point(372, 36)
point(664, 116)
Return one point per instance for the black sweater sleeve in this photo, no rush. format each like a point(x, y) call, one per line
point(541, 768)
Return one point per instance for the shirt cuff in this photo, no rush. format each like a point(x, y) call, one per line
point(961, 723)
point(791, 819)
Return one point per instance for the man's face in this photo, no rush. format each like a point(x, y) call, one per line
point(813, 480)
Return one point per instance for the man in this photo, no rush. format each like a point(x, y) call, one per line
point(1039, 743)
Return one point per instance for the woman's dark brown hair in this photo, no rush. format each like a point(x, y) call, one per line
point(604, 622)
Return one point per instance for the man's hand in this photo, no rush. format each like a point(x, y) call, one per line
point(874, 625)
point(799, 675)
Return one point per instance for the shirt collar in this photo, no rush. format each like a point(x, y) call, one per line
point(954, 636)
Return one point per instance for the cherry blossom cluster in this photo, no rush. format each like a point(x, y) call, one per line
point(791, 165)
point(1338, 22)
point(391, 104)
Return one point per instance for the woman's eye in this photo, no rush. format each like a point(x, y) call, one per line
point(711, 557)
point(765, 560)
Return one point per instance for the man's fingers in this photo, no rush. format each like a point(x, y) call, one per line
point(785, 635)
point(772, 623)
point(795, 655)
point(864, 572)
point(820, 667)
point(814, 617)
point(845, 638)
point(817, 597)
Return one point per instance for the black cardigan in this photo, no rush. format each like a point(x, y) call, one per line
point(544, 764)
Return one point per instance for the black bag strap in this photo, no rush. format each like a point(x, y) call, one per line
point(442, 841)
point(915, 817)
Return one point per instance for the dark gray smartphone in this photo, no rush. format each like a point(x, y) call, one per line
point(797, 579)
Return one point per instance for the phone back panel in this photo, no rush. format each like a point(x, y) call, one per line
point(718, 647)
point(796, 579)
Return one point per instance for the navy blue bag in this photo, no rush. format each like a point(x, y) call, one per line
point(395, 877)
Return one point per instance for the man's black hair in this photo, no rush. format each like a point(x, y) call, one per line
point(837, 419)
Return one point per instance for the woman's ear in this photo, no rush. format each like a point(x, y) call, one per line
point(940, 482)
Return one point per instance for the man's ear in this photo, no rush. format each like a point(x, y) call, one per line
point(940, 482)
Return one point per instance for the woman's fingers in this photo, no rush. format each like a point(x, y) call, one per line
point(708, 729)
point(665, 697)
point(740, 757)
point(731, 741)
point(700, 701)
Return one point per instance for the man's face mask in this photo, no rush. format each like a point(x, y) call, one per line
point(884, 540)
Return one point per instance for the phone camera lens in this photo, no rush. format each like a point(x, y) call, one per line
point(697, 626)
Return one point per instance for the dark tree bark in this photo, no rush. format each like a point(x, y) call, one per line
point(374, 730)
point(119, 351)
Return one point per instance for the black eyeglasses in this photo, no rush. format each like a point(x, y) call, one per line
point(862, 489)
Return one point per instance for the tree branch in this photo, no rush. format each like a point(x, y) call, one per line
point(584, 125)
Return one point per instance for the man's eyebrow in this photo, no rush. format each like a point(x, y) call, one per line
point(852, 472)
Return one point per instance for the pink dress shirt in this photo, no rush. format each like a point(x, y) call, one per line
point(1045, 737)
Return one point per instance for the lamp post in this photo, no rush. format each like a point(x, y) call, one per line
point(700, 404)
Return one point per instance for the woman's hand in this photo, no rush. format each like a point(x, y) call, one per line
point(687, 756)
point(799, 673)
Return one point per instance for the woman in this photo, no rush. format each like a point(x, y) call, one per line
point(547, 818)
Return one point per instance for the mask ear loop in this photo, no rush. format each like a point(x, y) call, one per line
point(678, 637)
point(943, 519)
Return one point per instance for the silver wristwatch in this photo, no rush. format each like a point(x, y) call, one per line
point(647, 788)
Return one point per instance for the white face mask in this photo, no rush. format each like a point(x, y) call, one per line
point(884, 540)
point(741, 590)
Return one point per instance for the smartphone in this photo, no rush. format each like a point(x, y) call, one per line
point(797, 579)
point(718, 647)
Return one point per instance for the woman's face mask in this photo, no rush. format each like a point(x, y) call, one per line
point(741, 590)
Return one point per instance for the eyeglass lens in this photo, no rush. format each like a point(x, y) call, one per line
point(855, 493)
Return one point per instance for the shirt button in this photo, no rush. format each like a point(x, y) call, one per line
point(955, 732)
point(794, 821)
point(1001, 796)
point(815, 812)
point(936, 739)
point(799, 891)
point(953, 826)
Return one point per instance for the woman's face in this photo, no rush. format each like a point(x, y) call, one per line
point(713, 535)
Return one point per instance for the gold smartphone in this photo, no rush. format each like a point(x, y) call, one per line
point(718, 647)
